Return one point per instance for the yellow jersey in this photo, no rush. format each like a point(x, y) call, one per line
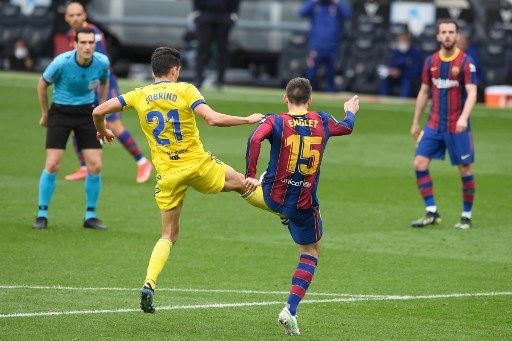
point(166, 116)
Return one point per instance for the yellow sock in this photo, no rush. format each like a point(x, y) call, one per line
point(255, 198)
point(157, 261)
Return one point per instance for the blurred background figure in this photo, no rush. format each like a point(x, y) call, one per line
point(467, 45)
point(214, 20)
point(76, 17)
point(401, 75)
point(325, 35)
point(19, 57)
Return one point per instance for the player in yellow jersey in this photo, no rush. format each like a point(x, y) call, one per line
point(166, 111)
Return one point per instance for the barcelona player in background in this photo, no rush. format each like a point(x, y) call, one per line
point(76, 18)
point(450, 75)
point(167, 111)
point(297, 141)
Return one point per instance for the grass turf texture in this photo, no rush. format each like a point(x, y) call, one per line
point(368, 198)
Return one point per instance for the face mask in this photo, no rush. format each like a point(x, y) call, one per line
point(21, 52)
point(402, 47)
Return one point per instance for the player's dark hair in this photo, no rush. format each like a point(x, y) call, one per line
point(83, 30)
point(164, 59)
point(446, 21)
point(298, 90)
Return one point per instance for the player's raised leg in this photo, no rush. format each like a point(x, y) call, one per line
point(426, 189)
point(160, 255)
point(81, 172)
point(235, 181)
point(47, 182)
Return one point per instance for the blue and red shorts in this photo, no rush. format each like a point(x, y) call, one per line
point(434, 144)
point(305, 226)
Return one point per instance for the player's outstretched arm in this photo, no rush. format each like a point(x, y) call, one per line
point(98, 115)
point(214, 118)
point(352, 105)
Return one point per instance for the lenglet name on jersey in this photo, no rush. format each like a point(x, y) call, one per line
point(161, 95)
point(302, 122)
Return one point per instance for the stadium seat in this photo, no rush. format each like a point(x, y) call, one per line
point(11, 23)
point(396, 29)
point(360, 74)
point(430, 31)
point(292, 62)
point(497, 63)
point(497, 32)
point(367, 27)
point(427, 42)
point(38, 29)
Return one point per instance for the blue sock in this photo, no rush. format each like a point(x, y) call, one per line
point(46, 188)
point(301, 279)
point(426, 187)
point(92, 192)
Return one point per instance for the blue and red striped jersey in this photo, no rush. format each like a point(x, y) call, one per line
point(297, 143)
point(447, 78)
point(101, 44)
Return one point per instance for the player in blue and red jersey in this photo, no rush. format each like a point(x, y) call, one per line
point(297, 142)
point(76, 18)
point(450, 75)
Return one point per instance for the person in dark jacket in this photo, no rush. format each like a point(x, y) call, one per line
point(19, 58)
point(327, 18)
point(214, 20)
point(403, 70)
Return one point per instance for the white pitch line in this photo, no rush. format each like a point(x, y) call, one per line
point(233, 291)
point(253, 304)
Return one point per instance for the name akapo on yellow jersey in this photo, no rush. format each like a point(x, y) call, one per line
point(167, 119)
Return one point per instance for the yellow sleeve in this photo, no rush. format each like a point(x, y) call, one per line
point(194, 97)
point(129, 99)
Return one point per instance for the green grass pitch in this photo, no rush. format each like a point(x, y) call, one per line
point(229, 274)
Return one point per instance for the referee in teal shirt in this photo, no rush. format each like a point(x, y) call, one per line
point(75, 76)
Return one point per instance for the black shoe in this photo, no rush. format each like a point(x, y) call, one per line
point(464, 224)
point(94, 223)
point(431, 218)
point(146, 299)
point(41, 223)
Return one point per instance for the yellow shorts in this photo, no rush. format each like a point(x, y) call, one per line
point(206, 175)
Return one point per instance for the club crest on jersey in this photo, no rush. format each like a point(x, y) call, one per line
point(455, 70)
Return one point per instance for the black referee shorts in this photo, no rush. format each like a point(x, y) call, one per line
point(62, 119)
